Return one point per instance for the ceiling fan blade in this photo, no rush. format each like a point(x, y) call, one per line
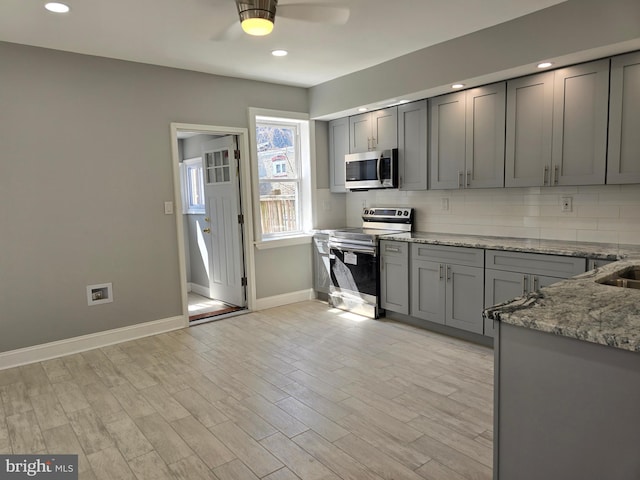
point(310, 12)
point(232, 32)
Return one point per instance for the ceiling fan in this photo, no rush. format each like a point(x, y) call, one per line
point(257, 17)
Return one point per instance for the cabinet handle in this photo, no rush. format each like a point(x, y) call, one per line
point(448, 273)
point(545, 175)
point(440, 276)
point(391, 249)
point(525, 280)
point(556, 174)
point(460, 179)
point(536, 287)
point(468, 178)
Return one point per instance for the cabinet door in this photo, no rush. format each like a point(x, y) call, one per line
point(624, 120)
point(539, 281)
point(581, 99)
point(412, 146)
point(338, 148)
point(529, 129)
point(447, 141)
point(465, 297)
point(500, 287)
point(360, 133)
point(384, 129)
point(394, 276)
point(428, 290)
point(485, 121)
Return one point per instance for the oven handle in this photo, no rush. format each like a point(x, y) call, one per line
point(345, 248)
point(378, 167)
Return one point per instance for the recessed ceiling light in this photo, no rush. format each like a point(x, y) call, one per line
point(56, 7)
point(544, 65)
point(363, 109)
point(279, 53)
point(457, 85)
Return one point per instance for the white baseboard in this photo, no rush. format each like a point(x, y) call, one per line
point(285, 299)
point(47, 351)
point(199, 289)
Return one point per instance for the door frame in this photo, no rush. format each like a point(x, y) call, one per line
point(245, 203)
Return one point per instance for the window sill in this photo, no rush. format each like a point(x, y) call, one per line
point(301, 239)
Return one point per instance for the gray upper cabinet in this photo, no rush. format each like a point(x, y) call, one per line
point(377, 130)
point(338, 148)
point(412, 146)
point(529, 130)
point(467, 138)
point(485, 136)
point(624, 120)
point(394, 275)
point(580, 119)
point(447, 140)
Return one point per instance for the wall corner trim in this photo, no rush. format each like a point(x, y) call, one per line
point(285, 299)
point(47, 351)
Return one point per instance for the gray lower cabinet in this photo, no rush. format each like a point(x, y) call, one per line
point(580, 118)
point(394, 275)
point(624, 120)
point(338, 148)
point(447, 285)
point(510, 275)
point(412, 146)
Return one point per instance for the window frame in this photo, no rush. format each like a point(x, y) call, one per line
point(305, 168)
point(188, 207)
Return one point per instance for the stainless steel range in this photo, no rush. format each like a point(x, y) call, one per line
point(354, 259)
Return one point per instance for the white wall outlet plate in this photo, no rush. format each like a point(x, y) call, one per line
point(99, 294)
point(444, 204)
point(566, 204)
point(168, 208)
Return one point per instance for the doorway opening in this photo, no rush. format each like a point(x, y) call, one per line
point(212, 222)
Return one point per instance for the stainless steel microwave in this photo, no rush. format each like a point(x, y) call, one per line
point(367, 170)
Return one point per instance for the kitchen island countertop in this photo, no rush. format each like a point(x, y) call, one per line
point(580, 308)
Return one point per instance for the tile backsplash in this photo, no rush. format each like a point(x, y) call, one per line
point(608, 213)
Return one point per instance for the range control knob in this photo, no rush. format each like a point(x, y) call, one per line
point(406, 213)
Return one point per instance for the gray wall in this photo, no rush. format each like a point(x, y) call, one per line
point(581, 29)
point(85, 167)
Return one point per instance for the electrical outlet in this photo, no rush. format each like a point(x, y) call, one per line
point(567, 204)
point(444, 204)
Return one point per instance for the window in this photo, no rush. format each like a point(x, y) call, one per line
point(282, 168)
point(192, 186)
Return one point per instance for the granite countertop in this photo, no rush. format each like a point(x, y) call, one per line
point(600, 251)
point(580, 308)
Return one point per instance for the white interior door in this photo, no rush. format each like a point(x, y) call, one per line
point(223, 234)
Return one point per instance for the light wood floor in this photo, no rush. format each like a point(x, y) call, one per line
point(301, 391)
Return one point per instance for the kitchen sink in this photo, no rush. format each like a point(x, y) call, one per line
point(626, 278)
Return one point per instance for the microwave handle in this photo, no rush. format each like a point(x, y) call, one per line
point(378, 168)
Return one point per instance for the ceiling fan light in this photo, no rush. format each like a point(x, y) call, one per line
point(257, 26)
point(257, 16)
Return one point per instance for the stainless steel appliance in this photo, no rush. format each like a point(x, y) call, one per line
point(367, 170)
point(354, 259)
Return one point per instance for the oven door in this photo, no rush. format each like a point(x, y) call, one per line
point(354, 278)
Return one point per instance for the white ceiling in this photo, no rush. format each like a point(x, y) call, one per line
point(177, 33)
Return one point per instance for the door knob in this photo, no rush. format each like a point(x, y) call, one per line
point(207, 219)
point(207, 230)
